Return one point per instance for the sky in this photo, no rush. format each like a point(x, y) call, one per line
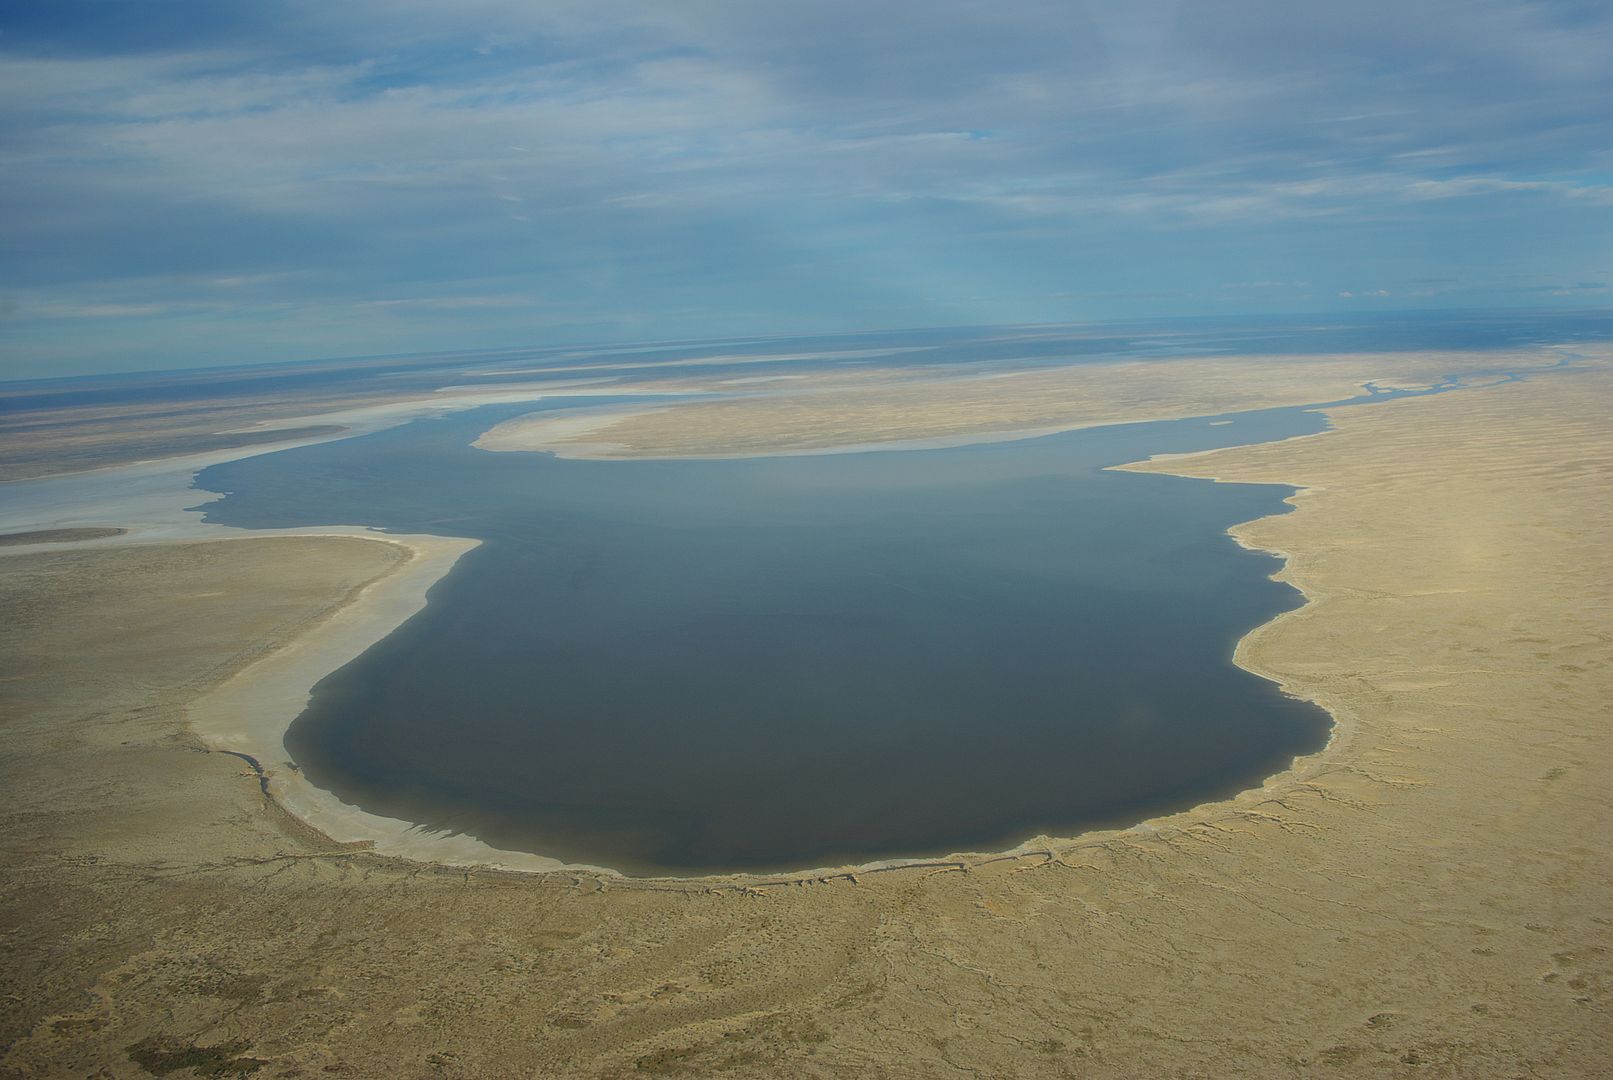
point(195, 184)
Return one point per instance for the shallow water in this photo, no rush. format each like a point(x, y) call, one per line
point(673, 666)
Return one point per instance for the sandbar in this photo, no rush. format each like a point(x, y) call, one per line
point(904, 409)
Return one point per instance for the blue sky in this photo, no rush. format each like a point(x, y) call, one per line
point(189, 184)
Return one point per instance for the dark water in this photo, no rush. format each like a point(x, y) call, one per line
point(780, 663)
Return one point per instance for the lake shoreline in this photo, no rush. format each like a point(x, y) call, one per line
point(284, 685)
point(252, 711)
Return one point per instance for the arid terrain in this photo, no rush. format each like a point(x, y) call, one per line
point(1429, 897)
point(989, 400)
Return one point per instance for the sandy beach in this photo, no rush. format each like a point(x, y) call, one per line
point(1426, 897)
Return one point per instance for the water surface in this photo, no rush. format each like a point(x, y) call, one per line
point(674, 666)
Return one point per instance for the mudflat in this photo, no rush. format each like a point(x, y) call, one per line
point(1426, 897)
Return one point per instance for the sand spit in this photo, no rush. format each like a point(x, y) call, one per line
point(882, 409)
point(1427, 898)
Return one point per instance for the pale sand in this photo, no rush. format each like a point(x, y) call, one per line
point(1428, 897)
point(897, 409)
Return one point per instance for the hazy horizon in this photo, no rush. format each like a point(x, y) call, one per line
point(586, 350)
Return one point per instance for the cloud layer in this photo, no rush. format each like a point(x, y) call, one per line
point(186, 185)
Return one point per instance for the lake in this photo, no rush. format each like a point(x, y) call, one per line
point(698, 666)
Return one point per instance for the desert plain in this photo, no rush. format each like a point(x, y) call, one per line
point(1428, 896)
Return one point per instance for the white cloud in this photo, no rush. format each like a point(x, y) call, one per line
point(642, 156)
